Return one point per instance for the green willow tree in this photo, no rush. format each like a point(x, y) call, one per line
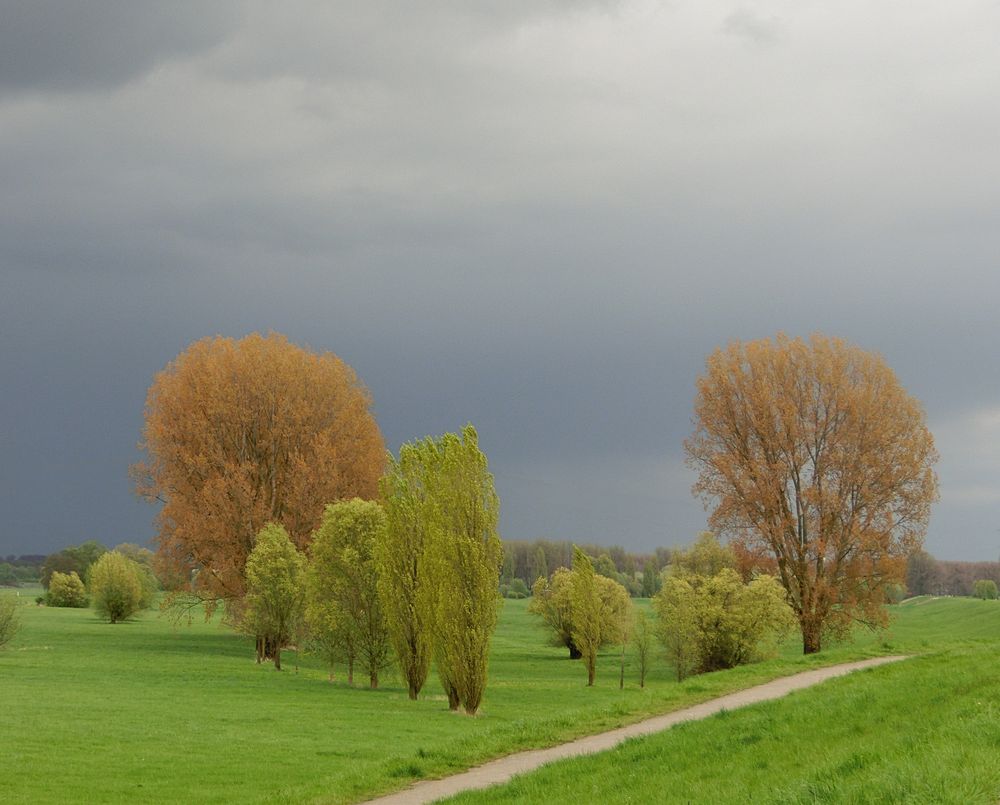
point(66, 590)
point(118, 587)
point(642, 641)
point(551, 600)
point(400, 563)
point(464, 556)
point(985, 589)
point(342, 595)
point(585, 606)
point(712, 622)
point(539, 567)
point(275, 599)
point(10, 620)
point(439, 564)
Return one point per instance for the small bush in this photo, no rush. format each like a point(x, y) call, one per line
point(516, 589)
point(985, 589)
point(117, 586)
point(66, 590)
point(10, 621)
point(712, 622)
point(894, 593)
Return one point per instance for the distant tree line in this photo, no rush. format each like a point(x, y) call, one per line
point(118, 582)
point(18, 570)
point(526, 561)
point(926, 575)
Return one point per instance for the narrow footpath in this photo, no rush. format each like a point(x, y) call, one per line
point(502, 769)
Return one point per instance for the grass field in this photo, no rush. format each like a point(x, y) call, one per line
point(923, 731)
point(926, 730)
point(161, 713)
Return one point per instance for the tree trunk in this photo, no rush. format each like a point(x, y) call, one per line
point(277, 659)
point(621, 675)
point(373, 678)
point(350, 670)
point(574, 652)
point(413, 690)
point(591, 670)
point(267, 648)
point(810, 637)
point(452, 698)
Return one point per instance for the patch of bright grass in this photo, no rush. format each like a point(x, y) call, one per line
point(926, 730)
point(155, 712)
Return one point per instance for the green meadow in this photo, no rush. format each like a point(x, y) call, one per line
point(153, 711)
point(926, 730)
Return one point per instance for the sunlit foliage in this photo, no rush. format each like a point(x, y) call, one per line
point(275, 591)
point(239, 433)
point(813, 451)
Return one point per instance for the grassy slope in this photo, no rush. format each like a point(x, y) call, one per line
point(926, 730)
point(183, 714)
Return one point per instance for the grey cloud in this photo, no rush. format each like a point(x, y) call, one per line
point(47, 45)
point(748, 24)
point(537, 220)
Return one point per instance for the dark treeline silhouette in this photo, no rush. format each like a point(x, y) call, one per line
point(18, 570)
point(926, 575)
point(25, 559)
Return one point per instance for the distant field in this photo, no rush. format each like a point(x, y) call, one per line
point(154, 712)
point(926, 730)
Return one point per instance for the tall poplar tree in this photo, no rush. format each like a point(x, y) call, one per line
point(539, 566)
point(439, 564)
point(585, 603)
point(464, 557)
point(401, 563)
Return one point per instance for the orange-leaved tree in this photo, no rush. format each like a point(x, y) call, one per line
point(813, 451)
point(240, 433)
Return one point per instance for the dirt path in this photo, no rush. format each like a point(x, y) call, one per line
point(502, 769)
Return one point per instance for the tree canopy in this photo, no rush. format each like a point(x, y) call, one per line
point(342, 603)
point(985, 589)
point(118, 587)
point(439, 563)
point(66, 590)
point(10, 621)
point(464, 555)
point(400, 557)
point(239, 433)
point(813, 451)
point(275, 591)
point(585, 609)
point(712, 622)
point(569, 615)
point(77, 558)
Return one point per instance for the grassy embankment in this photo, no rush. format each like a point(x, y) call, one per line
point(926, 730)
point(147, 710)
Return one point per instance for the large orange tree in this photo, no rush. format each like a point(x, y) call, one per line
point(240, 433)
point(812, 452)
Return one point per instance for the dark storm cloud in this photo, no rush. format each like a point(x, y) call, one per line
point(537, 217)
point(47, 45)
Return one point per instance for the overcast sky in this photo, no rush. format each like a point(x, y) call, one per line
point(539, 217)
